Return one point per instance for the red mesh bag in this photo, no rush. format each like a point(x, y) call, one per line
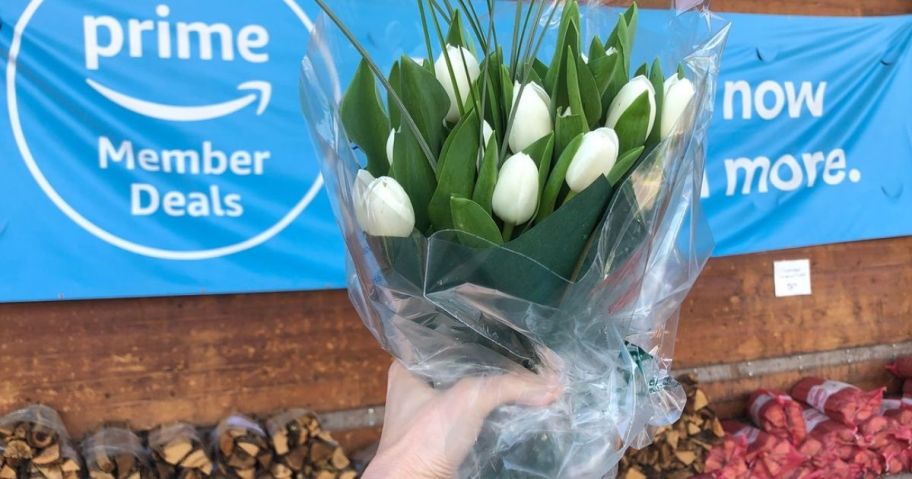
point(777, 414)
point(727, 460)
point(907, 388)
point(899, 413)
point(840, 401)
point(902, 367)
point(768, 456)
point(824, 463)
point(837, 440)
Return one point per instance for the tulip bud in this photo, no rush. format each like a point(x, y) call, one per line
point(463, 82)
point(359, 189)
point(387, 209)
point(596, 156)
point(622, 102)
point(678, 94)
point(533, 116)
point(390, 144)
point(516, 192)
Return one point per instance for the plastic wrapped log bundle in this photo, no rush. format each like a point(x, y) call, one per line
point(303, 449)
point(241, 449)
point(902, 367)
point(768, 456)
point(678, 451)
point(116, 453)
point(777, 414)
point(36, 445)
point(840, 401)
point(179, 453)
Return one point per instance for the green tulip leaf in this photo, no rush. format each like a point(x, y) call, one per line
point(556, 178)
point(624, 164)
point(487, 177)
point(558, 240)
point(680, 71)
point(364, 119)
point(657, 78)
point(456, 169)
point(472, 218)
point(596, 50)
point(426, 101)
point(630, 17)
point(589, 93)
point(620, 40)
point(457, 35)
point(633, 124)
point(541, 152)
point(412, 170)
point(642, 70)
point(396, 83)
point(567, 36)
point(540, 70)
point(566, 128)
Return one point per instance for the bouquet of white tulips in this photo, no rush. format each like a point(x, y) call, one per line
point(511, 201)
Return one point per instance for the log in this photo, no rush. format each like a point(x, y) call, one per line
point(679, 450)
point(116, 452)
point(304, 450)
point(34, 444)
point(241, 449)
point(178, 452)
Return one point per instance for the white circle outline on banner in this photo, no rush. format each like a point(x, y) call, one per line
point(95, 230)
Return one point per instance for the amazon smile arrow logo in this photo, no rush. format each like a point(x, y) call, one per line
point(261, 90)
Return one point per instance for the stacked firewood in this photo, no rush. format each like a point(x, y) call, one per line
point(179, 453)
point(241, 449)
point(678, 450)
point(35, 445)
point(304, 450)
point(115, 452)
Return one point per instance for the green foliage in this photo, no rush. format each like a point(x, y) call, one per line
point(364, 119)
point(567, 36)
point(657, 78)
point(472, 218)
point(487, 177)
point(556, 179)
point(456, 169)
point(425, 100)
point(412, 170)
point(623, 165)
point(633, 124)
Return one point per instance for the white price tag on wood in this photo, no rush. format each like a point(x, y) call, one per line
point(792, 277)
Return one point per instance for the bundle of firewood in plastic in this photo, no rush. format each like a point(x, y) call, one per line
point(36, 445)
point(241, 449)
point(116, 452)
point(179, 453)
point(304, 450)
point(678, 451)
point(840, 401)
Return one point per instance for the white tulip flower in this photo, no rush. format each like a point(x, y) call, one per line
point(596, 156)
point(678, 94)
point(463, 82)
point(533, 116)
point(516, 192)
point(628, 94)
point(359, 190)
point(390, 144)
point(387, 209)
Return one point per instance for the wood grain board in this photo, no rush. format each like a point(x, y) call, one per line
point(148, 361)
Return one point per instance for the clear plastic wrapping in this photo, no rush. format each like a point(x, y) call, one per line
point(448, 309)
point(35, 444)
point(241, 448)
point(116, 452)
point(179, 452)
point(302, 447)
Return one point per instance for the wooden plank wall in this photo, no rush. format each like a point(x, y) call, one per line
point(153, 360)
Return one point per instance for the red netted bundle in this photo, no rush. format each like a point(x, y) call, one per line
point(907, 388)
point(777, 414)
point(837, 439)
point(902, 367)
point(727, 460)
point(843, 402)
point(899, 412)
point(874, 433)
point(768, 456)
point(824, 462)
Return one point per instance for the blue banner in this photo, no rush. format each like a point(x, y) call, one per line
point(157, 147)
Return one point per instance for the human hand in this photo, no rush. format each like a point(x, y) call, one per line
point(427, 433)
